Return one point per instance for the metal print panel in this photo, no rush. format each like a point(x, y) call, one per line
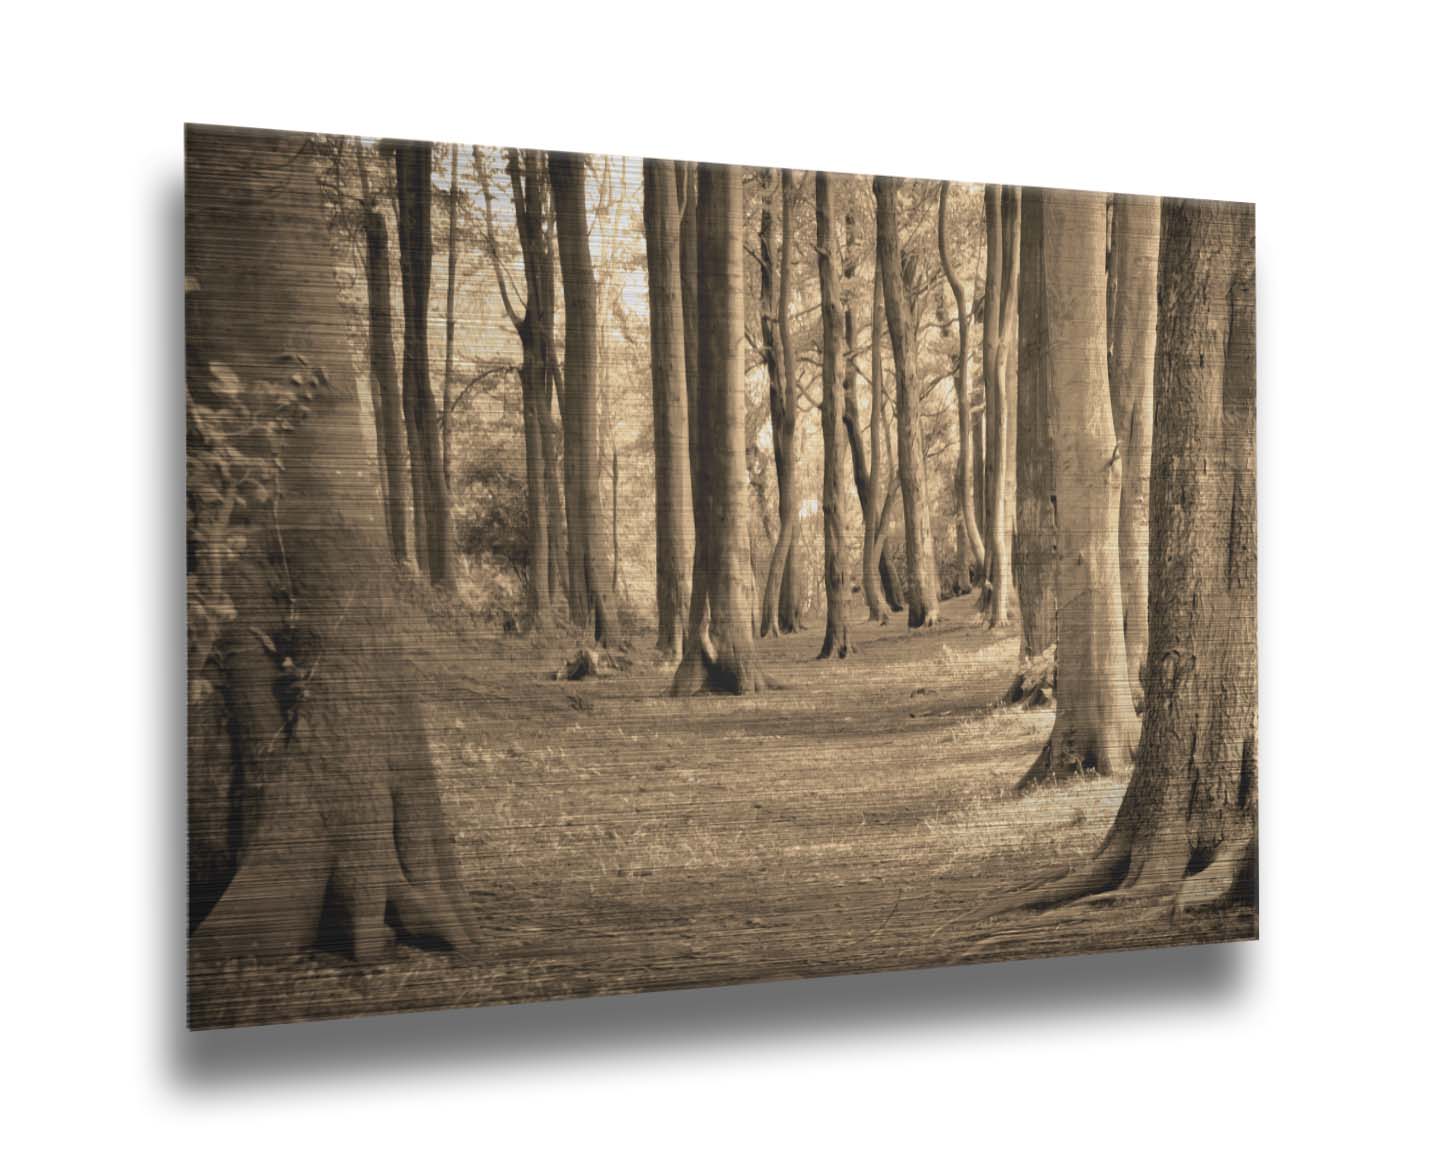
point(609, 575)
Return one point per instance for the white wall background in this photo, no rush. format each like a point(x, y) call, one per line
point(1323, 1031)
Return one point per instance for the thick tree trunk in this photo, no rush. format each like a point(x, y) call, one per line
point(1187, 826)
point(730, 663)
point(1095, 725)
point(923, 582)
point(582, 396)
point(968, 542)
point(412, 182)
point(832, 404)
point(385, 389)
point(1134, 258)
point(1035, 445)
point(674, 520)
point(781, 610)
point(320, 783)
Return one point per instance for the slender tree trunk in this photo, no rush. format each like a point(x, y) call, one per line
point(447, 391)
point(1035, 445)
point(867, 481)
point(1095, 726)
point(527, 189)
point(697, 626)
point(1186, 830)
point(582, 395)
point(832, 404)
point(413, 190)
point(385, 389)
point(674, 520)
point(1134, 260)
point(311, 758)
point(1000, 400)
point(781, 611)
point(992, 336)
point(970, 545)
point(731, 663)
point(914, 486)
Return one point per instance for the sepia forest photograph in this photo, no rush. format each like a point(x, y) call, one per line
point(609, 574)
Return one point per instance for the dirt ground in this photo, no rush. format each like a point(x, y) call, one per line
point(614, 839)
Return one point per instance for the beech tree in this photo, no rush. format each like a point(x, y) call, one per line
point(384, 388)
point(1002, 219)
point(1134, 259)
point(832, 404)
point(674, 521)
point(536, 330)
point(1035, 440)
point(924, 598)
point(431, 497)
point(781, 608)
point(970, 547)
point(729, 661)
point(315, 814)
point(1187, 826)
point(588, 591)
point(1095, 725)
point(446, 392)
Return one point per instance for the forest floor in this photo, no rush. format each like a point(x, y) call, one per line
point(861, 817)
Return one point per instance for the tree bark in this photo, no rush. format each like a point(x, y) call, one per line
point(781, 611)
point(311, 756)
point(535, 329)
point(729, 663)
point(867, 481)
point(589, 597)
point(446, 390)
point(674, 520)
point(923, 596)
point(697, 626)
point(385, 389)
point(1095, 725)
point(970, 546)
point(1002, 214)
point(832, 405)
point(1134, 260)
point(1187, 826)
point(1035, 540)
point(413, 192)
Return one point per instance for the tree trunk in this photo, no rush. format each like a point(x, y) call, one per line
point(447, 391)
point(674, 521)
point(309, 756)
point(729, 663)
point(867, 480)
point(385, 389)
point(1002, 214)
point(1187, 825)
point(1134, 258)
point(582, 396)
point(535, 329)
point(697, 626)
point(1095, 726)
point(781, 611)
point(970, 546)
point(832, 404)
point(1035, 444)
point(923, 596)
point(412, 183)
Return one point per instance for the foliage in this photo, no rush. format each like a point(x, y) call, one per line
point(232, 460)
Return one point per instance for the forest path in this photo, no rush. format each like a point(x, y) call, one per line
point(615, 838)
